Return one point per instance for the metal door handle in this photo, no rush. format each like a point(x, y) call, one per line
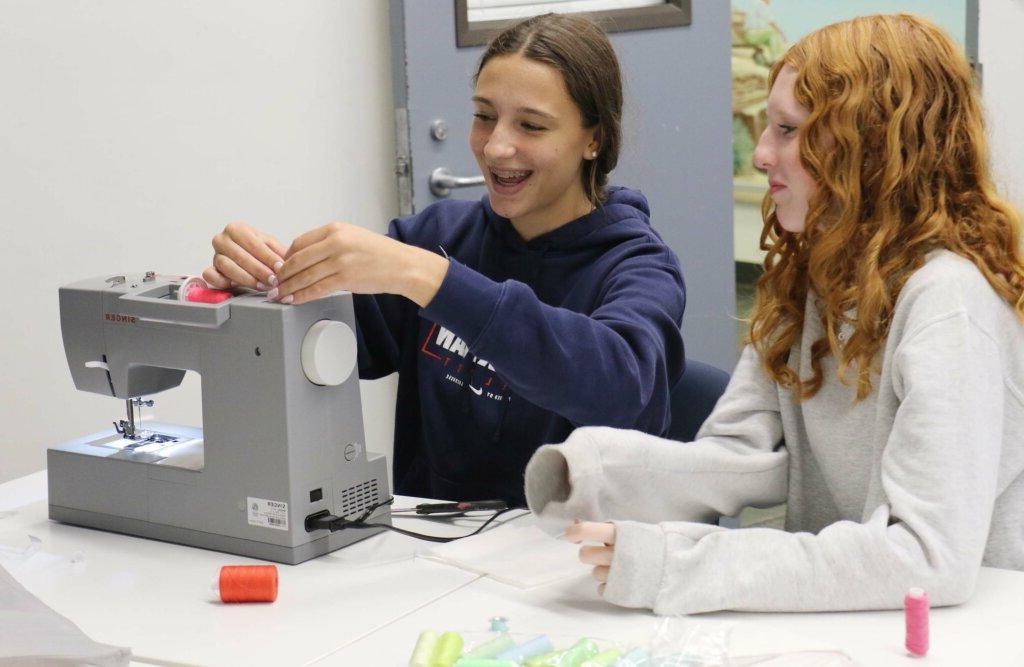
point(442, 181)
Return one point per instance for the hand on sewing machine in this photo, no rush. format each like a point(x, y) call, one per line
point(244, 256)
point(599, 557)
point(340, 256)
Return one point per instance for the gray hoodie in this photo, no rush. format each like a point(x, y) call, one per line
point(919, 484)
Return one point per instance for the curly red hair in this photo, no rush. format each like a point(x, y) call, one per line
point(895, 141)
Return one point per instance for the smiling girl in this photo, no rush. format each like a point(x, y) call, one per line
point(550, 303)
point(882, 393)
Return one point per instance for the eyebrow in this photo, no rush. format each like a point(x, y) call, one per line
point(784, 113)
point(528, 110)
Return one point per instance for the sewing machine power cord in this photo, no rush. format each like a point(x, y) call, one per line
point(324, 520)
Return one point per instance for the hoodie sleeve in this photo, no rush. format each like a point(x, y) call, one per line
point(614, 367)
point(603, 474)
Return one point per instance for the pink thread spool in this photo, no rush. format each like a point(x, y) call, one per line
point(915, 613)
point(196, 290)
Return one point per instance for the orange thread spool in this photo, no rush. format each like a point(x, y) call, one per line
point(248, 583)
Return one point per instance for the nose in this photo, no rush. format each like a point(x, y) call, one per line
point(764, 156)
point(500, 145)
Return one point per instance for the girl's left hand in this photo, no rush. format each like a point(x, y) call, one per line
point(599, 557)
point(341, 256)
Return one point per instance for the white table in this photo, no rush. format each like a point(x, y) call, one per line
point(156, 598)
point(366, 604)
point(985, 631)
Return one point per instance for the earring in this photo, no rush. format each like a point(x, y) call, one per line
point(594, 155)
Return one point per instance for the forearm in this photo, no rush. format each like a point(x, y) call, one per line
point(420, 274)
point(686, 568)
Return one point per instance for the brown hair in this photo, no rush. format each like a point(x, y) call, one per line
point(895, 142)
point(579, 50)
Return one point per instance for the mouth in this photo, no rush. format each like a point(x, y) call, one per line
point(509, 181)
point(775, 186)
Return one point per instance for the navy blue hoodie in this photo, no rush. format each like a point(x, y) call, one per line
point(524, 341)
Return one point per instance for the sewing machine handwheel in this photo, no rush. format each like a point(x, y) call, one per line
point(329, 353)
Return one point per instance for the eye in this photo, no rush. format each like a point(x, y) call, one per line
point(530, 127)
point(482, 117)
point(787, 129)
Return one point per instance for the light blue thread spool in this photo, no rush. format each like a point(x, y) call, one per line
point(638, 657)
point(528, 649)
point(552, 659)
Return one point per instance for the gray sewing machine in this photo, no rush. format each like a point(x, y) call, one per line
point(282, 434)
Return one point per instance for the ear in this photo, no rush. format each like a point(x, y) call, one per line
point(593, 147)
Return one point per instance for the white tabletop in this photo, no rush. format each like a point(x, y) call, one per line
point(366, 604)
point(985, 631)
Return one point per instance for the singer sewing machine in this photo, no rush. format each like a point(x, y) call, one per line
point(282, 432)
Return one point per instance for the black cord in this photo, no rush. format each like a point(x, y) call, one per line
point(336, 523)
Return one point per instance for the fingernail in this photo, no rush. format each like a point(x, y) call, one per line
point(277, 265)
point(288, 299)
point(234, 284)
point(261, 286)
point(272, 294)
point(272, 279)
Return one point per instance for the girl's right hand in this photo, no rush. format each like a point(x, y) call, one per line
point(244, 256)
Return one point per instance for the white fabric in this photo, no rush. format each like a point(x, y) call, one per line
point(32, 633)
point(521, 556)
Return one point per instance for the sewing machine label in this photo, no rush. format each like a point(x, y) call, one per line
point(268, 513)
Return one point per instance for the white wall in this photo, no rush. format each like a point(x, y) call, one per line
point(130, 132)
point(1001, 52)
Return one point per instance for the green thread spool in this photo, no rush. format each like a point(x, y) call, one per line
point(549, 659)
point(604, 659)
point(492, 647)
point(579, 653)
point(447, 650)
point(424, 649)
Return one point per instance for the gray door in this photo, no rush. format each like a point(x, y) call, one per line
point(677, 134)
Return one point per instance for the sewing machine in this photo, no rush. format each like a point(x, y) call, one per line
point(282, 432)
